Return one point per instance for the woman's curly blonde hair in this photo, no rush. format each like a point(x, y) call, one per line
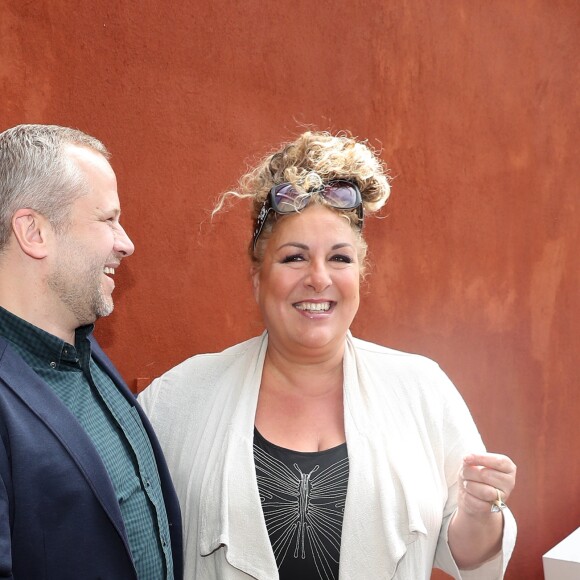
point(314, 158)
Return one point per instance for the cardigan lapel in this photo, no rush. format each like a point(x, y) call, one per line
point(231, 512)
point(48, 408)
point(381, 516)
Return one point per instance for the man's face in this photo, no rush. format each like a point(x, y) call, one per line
point(91, 247)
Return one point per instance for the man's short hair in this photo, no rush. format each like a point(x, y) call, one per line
point(35, 173)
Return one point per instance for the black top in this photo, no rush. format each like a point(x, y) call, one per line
point(303, 496)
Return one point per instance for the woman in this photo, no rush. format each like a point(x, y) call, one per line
point(305, 452)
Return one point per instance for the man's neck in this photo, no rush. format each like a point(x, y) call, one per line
point(40, 318)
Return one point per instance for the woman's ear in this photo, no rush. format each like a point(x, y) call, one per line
point(30, 230)
point(255, 273)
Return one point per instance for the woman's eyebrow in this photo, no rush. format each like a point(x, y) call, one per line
point(294, 245)
point(306, 247)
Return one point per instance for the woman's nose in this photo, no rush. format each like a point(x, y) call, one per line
point(318, 277)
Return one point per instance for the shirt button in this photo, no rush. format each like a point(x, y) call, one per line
point(147, 483)
point(52, 365)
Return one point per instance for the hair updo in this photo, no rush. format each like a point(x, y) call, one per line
point(312, 159)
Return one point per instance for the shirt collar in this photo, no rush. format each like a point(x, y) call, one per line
point(37, 343)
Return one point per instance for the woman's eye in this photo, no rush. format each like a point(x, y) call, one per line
point(342, 258)
point(293, 258)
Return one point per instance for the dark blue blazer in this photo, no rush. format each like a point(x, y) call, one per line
point(59, 517)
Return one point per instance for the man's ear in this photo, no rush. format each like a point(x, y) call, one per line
point(255, 273)
point(30, 230)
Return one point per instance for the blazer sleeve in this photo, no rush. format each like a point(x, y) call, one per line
point(5, 518)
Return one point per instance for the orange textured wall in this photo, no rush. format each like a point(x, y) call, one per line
point(476, 108)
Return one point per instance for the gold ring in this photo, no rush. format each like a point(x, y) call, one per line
point(498, 504)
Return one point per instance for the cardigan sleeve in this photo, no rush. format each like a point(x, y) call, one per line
point(460, 437)
point(490, 570)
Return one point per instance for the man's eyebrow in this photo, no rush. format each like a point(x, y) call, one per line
point(115, 210)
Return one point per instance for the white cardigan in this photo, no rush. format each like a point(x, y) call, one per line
point(407, 430)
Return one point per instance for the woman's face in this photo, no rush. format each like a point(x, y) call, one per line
point(308, 285)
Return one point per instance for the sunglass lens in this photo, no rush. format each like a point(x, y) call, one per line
point(287, 199)
point(341, 195)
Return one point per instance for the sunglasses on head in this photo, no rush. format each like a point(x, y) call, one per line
point(284, 198)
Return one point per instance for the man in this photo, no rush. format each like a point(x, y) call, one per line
point(84, 489)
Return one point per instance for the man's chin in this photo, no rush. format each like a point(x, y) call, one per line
point(105, 308)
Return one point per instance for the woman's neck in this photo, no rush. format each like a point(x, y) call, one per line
point(300, 406)
point(311, 374)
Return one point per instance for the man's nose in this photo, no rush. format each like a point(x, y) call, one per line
point(123, 243)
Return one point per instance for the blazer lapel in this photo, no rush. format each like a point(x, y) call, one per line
point(172, 508)
point(48, 408)
point(105, 363)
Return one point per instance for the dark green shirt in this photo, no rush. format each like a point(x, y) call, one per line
point(115, 429)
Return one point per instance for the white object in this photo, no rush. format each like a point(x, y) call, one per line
point(562, 562)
